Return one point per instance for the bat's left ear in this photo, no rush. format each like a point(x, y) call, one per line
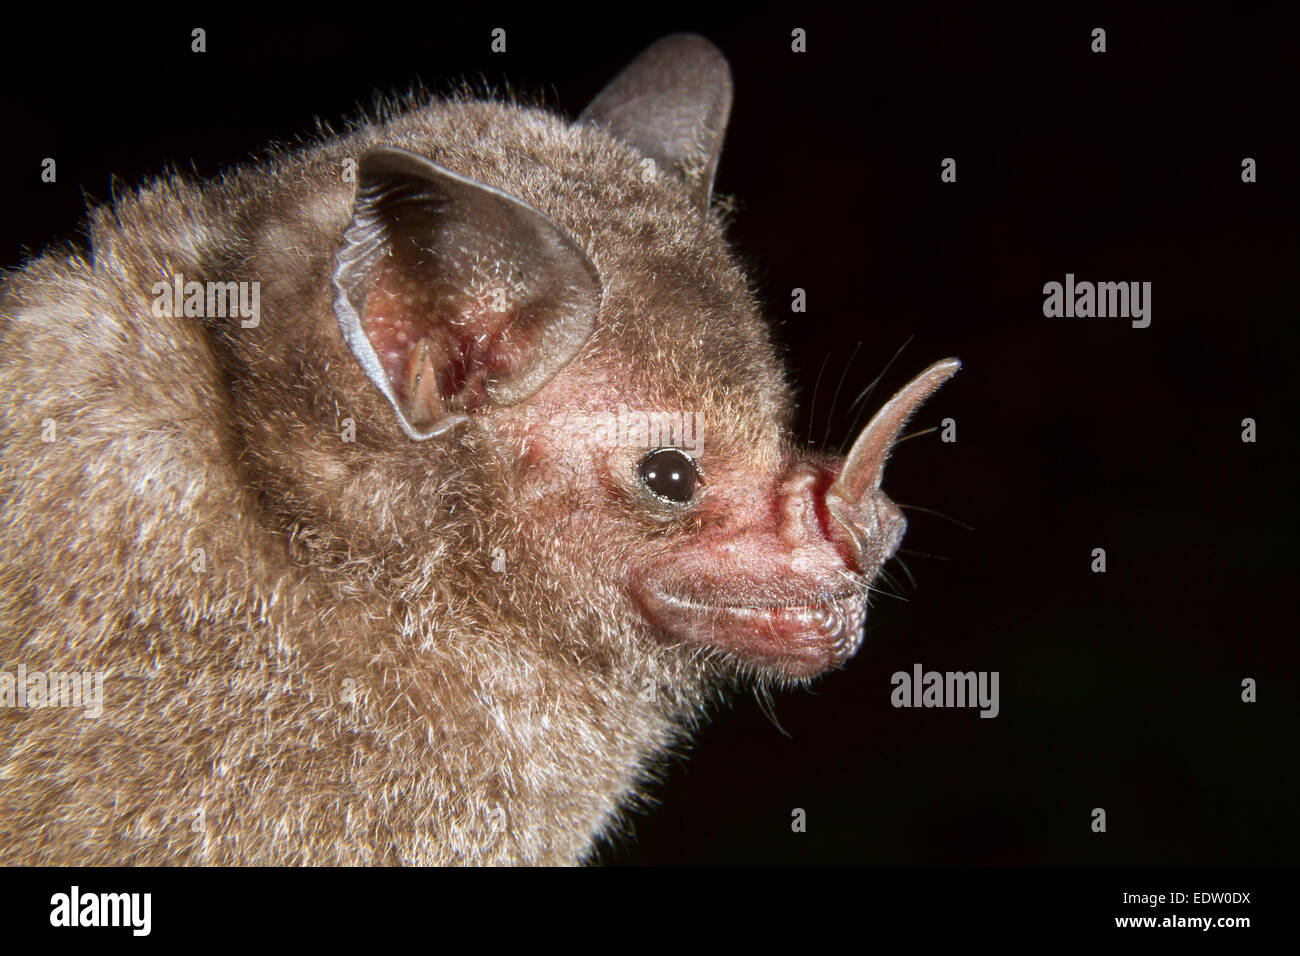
point(672, 103)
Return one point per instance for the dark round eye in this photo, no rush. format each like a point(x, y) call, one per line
point(670, 474)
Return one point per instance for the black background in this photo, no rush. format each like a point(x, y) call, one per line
point(1119, 690)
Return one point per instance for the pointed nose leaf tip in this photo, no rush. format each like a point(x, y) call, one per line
point(865, 465)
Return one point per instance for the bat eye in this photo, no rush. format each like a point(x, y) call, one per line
point(670, 474)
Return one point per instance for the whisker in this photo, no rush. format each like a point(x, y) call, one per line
point(765, 704)
point(938, 514)
point(862, 397)
point(922, 554)
point(907, 571)
point(866, 392)
point(830, 418)
point(875, 590)
point(812, 409)
point(923, 431)
point(853, 581)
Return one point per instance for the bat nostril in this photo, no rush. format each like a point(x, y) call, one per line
point(871, 530)
point(850, 528)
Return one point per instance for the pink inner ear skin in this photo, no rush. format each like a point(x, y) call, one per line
point(465, 342)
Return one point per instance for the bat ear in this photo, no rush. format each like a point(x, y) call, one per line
point(672, 103)
point(453, 295)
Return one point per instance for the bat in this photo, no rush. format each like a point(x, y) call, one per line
point(405, 497)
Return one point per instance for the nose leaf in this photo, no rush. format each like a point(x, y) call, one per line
point(855, 499)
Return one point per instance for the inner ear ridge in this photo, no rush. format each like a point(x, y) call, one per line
point(400, 193)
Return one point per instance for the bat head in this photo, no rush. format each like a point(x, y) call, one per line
point(576, 307)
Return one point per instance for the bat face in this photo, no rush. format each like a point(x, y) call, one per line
point(462, 301)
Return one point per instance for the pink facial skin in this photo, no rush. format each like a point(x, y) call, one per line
point(780, 580)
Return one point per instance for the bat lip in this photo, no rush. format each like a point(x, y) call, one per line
point(792, 639)
point(812, 605)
